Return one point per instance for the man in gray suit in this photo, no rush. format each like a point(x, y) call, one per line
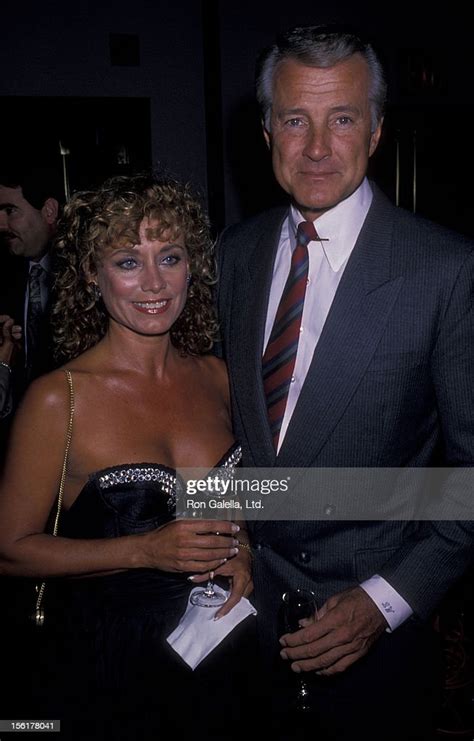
point(356, 353)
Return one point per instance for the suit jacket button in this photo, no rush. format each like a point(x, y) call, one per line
point(304, 557)
point(257, 546)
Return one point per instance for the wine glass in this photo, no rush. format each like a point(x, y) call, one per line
point(207, 596)
point(298, 609)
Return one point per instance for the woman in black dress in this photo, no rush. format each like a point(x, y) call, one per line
point(141, 396)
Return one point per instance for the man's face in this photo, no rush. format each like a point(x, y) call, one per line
point(320, 134)
point(25, 230)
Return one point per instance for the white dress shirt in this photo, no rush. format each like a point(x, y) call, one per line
point(338, 230)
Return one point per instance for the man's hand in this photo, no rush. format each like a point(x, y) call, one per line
point(10, 337)
point(347, 625)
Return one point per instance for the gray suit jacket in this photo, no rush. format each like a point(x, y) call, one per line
point(5, 392)
point(391, 384)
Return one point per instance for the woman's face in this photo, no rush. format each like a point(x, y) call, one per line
point(144, 286)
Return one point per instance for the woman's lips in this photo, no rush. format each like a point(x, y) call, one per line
point(152, 307)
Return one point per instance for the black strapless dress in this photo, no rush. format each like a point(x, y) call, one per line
point(112, 673)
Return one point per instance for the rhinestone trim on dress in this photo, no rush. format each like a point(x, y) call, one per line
point(231, 462)
point(139, 473)
point(166, 478)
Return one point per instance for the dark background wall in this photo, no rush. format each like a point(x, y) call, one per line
point(173, 86)
point(62, 48)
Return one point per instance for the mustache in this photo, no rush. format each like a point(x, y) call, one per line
point(6, 236)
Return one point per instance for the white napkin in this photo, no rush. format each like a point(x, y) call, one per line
point(198, 633)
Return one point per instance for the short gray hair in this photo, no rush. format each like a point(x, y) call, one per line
point(320, 46)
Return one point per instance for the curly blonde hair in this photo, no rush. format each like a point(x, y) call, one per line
point(110, 217)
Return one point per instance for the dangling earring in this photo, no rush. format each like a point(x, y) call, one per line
point(95, 291)
point(189, 278)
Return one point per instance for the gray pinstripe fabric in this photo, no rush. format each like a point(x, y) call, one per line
point(391, 384)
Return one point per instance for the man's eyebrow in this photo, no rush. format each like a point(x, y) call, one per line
point(292, 111)
point(340, 108)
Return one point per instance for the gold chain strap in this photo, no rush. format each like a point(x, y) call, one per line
point(39, 611)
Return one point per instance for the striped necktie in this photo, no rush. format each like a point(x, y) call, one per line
point(280, 355)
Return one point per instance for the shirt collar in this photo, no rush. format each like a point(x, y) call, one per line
point(45, 263)
point(340, 225)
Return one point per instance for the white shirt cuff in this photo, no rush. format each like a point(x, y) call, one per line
point(391, 604)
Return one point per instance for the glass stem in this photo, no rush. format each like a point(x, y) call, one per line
point(209, 590)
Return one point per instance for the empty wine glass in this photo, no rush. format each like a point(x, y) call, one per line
point(208, 596)
point(298, 609)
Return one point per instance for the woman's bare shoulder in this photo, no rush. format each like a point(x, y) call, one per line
point(214, 375)
point(214, 365)
point(39, 422)
point(49, 391)
point(52, 389)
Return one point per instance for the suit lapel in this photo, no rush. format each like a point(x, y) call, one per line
point(252, 288)
point(358, 315)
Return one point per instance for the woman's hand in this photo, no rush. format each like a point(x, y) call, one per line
point(10, 336)
point(185, 546)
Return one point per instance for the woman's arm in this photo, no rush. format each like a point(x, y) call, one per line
point(28, 493)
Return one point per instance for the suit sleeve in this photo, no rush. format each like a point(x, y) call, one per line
point(5, 391)
point(423, 572)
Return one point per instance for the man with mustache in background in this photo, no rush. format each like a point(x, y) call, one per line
point(29, 209)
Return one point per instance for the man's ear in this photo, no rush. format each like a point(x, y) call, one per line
point(266, 135)
point(50, 211)
point(375, 138)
